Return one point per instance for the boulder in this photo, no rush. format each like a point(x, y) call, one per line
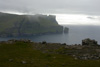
point(89, 42)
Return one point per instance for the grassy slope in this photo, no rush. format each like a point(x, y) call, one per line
point(6, 22)
point(27, 24)
point(21, 51)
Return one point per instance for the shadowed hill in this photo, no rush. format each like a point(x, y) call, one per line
point(26, 25)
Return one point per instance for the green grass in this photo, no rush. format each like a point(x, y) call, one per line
point(21, 51)
point(14, 25)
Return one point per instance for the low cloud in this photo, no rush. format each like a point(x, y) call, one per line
point(52, 6)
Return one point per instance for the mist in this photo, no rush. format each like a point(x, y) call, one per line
point(51, 6)
point(79, 11)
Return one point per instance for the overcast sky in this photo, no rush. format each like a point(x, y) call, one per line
point(52, 6)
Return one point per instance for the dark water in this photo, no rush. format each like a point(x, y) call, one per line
point(75, 35)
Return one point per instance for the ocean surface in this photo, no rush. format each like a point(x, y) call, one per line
point(75, 35)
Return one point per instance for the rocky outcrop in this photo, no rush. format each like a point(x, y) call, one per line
point(88, 57)
point(66, 30)
point(89, 42)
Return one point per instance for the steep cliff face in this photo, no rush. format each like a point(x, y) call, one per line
point(26, 25)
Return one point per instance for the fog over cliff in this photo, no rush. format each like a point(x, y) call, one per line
point(80, 7)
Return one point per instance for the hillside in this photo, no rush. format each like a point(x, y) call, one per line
point(24, 53)
point(26, 25)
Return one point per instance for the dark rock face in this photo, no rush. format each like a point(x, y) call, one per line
point(89, 42)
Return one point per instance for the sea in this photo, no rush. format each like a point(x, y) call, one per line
point(75, 35)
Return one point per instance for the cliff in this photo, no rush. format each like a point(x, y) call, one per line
point(26, 25)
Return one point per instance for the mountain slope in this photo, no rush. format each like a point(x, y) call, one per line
point(26, 25)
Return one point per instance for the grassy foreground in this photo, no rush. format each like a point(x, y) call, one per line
point(27, 54)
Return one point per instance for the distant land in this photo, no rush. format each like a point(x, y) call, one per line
point(12, 25)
